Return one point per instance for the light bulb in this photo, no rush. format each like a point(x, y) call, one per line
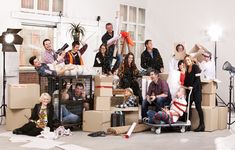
point(9, 38)
point(215, 32)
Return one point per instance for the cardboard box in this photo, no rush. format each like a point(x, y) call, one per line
point(120, 92)
point(196, 52)
point(103, 86)
point(210, 118)
point(96, 120)
point(163, 76)
point(15, 118)
point(208, 86)
point(223, 117)
point(131, 116)
point(102, 78)
point(116, 100)
point(22, 96)
point(208, 99)
point(102, 103)
point(103, 91)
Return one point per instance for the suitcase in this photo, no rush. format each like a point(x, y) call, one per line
point(117, 119)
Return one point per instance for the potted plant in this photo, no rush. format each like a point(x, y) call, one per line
point(77, 31)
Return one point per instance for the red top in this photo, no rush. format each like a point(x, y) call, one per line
point(182, 77)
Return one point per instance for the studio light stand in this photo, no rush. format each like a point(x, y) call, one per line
point(230, 104)
point(228, 67)
point(215, 32)
point(8, 39)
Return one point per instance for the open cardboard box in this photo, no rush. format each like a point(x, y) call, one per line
point(209, 86)
point(196, 52)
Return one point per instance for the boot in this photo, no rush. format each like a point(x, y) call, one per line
point(200, 128)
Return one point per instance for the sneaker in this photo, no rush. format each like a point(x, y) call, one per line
point(145, 119)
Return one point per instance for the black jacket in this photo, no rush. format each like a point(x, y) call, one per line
point(105, 39)
point(191, 79)
point(50, 112)
point(104, 63)
point(148, 62)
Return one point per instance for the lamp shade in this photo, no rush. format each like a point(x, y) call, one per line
point(228, 67)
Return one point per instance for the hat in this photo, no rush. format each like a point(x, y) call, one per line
point(130, 90)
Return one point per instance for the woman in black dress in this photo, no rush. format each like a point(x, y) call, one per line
point(101, 60)
point(128, 73)
point(192, 79)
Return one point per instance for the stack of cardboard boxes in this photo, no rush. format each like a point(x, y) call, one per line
point(214, 117)
point(99, 118)
point(21, 99)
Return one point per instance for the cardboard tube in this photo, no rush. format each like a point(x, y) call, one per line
point(130, 130)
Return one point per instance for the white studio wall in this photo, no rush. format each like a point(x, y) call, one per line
point(187, 21)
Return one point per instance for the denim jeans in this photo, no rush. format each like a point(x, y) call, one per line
point(67, 116)
point(150, 115)
point(158, 102)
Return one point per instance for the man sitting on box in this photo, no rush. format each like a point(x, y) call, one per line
point(76, 95)
point(158, 94)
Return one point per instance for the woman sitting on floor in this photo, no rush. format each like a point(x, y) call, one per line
point(41, 117)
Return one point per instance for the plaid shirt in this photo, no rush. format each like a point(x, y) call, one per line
point(130, 102)
point(158, 88)
point(49, 56)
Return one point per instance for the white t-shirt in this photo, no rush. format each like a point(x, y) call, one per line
point(208, 70)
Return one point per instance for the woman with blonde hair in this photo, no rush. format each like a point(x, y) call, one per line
point(41, 117)
point(192, 79)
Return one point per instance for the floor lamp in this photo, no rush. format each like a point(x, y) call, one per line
point(8, 39)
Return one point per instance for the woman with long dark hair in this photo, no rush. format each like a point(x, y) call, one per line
point(128, 73)
point(192, 79)
point(101, 59)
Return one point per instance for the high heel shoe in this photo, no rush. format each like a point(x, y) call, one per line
point(200, 128)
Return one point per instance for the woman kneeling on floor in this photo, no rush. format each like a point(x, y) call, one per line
point(41, 117)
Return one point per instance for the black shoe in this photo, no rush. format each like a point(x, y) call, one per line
point(96, 134)
point(200, 128)
point(16, 131)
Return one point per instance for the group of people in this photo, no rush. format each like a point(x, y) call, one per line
point(159, 93)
